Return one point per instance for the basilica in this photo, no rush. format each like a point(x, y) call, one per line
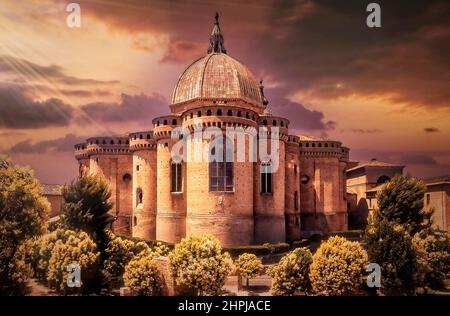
point(157, 197)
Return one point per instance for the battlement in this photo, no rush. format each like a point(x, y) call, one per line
point(142, 140)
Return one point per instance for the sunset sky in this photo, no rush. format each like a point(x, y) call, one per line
point(383, 92)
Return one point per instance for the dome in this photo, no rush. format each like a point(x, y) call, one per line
point(218, 76)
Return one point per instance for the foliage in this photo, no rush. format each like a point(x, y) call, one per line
point(198, 262)
point(142, 276)
point(118, 253)
point(433, 255)
point(248, 265)
point(78, 248)
point(338, 267)
point(401, 201)
point(86, 206)
point(390, 246)
point(291, 274)
point(23, 215)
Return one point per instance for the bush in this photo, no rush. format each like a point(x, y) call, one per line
point(433, 255)
point(338, 267)
point(23, 215)
point(390, 246)
point(198, 262)
point(248, 266)
point(401, 201)
point(78, 248)
point(142, 276)
point(20, 271)
point(291, 274)
point(118, 253)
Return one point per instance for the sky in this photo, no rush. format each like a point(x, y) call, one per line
point(383, 92)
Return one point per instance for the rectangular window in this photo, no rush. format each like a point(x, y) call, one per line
point(266, 179)
point(176, 177)
point(221, 174)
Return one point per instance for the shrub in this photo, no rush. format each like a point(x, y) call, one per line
point(86, 207)
point(338, 267)
point(78, 248)
point(118, 253)
point(142, 276)
point(433, 255)
point(291, 274)
point(23, 215)
point(401, 201)
point(198, 262)
point(390, 246)
point(248, 266)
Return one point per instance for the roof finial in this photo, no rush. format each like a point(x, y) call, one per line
point(261, 88)
point(216, 39)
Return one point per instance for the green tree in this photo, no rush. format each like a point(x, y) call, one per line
point(433, 255)
point(338, 267)
point(390, 246)
point(248, 265)
point(86, 207)
point(401, 201)
point(78, 248)
point(23, 215)
point(198, 262)
point(291, 274)
point(142, 276)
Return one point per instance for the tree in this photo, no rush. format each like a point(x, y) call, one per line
point(23, 215)
point(248, 266)
point(291, 274)
point(142, 276)
point(79, 248)
point(198, 262)
point(118, 253)
point(338, 267)
point(432, 248)
point(86, 207)
point(401, 201)
point(390, 246)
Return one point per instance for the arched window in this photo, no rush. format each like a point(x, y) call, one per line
point(174, 122)
point(296, 200)
point(165, 122)
point(264, 122)
point(208, 113)
point(230, 113)
point(383, 179)
point(111, 142)
point(192, 115)
point(247, 115)
point(266, 178)
point(199, 114)
point(140, 136)
point(239, 113)
point(274, 123)
point(221, 172)
point(176, 177)
point(219, 112)
point(148, 136)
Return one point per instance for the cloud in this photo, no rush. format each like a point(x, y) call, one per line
point(183, 51)
point(406, 158)
point(366, 131)
point(25, 68)
point(17, 110)
point(131, 108)
point(64, 144)
point(431, 130)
